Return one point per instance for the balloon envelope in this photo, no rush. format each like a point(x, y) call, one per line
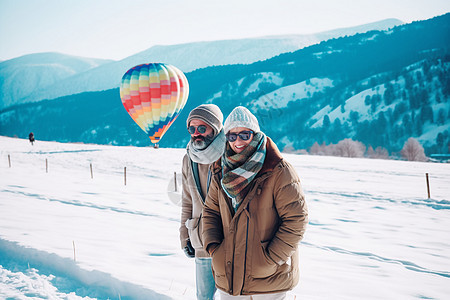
point(154, 95)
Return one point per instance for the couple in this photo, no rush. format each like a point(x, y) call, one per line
point(243, 209)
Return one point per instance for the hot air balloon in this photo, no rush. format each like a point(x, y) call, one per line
point(154, 95)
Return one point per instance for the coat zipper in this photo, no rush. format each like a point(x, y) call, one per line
point(257, 181)
point(245, 260)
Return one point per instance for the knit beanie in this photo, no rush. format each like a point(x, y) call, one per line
point(210, 114)
point(241, 117)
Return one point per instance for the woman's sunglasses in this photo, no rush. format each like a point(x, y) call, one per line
point(201, 129)
point(243, 135)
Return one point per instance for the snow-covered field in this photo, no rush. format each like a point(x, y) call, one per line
point(373, 234)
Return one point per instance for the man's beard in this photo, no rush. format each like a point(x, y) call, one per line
point(201, 142)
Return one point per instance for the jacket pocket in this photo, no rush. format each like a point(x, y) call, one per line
point(218, 261)
point(195, 232)
point(263, 266)
point(218, 268)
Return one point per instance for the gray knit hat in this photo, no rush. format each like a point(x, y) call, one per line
point(210, 114)
point(241, 117)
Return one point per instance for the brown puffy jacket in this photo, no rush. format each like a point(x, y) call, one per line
point(258, 243)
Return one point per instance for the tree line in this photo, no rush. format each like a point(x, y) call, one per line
point(412, 150)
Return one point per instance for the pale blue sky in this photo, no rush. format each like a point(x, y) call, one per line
point(116, 29)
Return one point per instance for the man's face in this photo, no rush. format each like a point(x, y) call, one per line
point(201, 140)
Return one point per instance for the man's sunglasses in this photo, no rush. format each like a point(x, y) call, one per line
point(201, 129)
point(243, 135)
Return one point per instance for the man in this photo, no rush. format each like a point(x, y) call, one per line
point(207, 144)
point(31, 138)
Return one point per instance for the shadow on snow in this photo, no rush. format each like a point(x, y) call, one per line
point(69, 277)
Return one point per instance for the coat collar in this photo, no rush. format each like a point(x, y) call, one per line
point(273, 156)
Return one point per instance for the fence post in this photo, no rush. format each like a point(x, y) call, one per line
point(9, 160)
point(428, 185)
point(46, 166)
point(125, 175)
point(92, 174)
point(175, 180)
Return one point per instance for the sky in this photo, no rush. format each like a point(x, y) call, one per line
point(116, 29)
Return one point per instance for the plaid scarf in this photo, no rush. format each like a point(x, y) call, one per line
point(239, 169)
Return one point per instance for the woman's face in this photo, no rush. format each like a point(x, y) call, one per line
point(239, 144)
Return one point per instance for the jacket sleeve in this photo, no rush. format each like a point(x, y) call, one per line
point(291, 206)
point(186, 202)
point(212, 221)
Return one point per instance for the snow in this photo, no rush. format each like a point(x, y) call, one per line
point(373, 234)
point(431, 132)
point(373, 37)
point(264, 77)
point(356, 104)
point(15, 285)
point(320, 115)
point(294, 92)
point(322, 54)
point(215, 96)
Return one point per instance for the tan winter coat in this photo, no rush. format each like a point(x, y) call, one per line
point(258, 244)
point(192, 206)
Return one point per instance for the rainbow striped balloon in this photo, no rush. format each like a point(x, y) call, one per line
point(154, 95)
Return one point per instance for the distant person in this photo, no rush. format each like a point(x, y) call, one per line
point(31, 138)
point(206, 145)
point(255, 215)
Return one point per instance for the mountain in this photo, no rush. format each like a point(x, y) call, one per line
point(187, 57)
point(379, 87)
point(25, 75)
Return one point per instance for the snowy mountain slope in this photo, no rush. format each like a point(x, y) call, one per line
point(19, 77)
point(262, 78)
point(187, 57)
point(353, 104)
point(381, 93)
point(290, 93)
point(432, 111)
point(372, 232)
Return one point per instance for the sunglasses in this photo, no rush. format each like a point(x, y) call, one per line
point(201, 129)
point(243, 135)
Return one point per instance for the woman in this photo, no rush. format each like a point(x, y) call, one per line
point(255, 215)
